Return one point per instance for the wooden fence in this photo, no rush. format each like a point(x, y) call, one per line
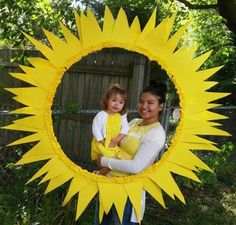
point(81, 89)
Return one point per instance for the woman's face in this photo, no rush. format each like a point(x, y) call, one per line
point(149, 107)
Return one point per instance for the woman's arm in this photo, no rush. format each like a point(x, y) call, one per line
point(146, 155)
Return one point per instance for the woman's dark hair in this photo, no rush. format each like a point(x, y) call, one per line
point(156, 88)
point(113, 90)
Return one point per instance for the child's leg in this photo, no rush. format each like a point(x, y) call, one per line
point(95, 150)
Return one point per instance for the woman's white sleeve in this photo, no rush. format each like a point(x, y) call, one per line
point(124, 125)
point(97, 127)
point(145, 156)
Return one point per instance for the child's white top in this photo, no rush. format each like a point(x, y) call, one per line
point(99, 125)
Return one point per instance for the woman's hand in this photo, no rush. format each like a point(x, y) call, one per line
point(98, 162)
point(102, 170)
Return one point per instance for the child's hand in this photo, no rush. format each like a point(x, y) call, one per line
point(114, 142)
point(102, 142)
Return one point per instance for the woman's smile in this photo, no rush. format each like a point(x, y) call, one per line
point(144, 112)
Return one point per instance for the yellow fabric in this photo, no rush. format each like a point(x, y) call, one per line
point(113, 127)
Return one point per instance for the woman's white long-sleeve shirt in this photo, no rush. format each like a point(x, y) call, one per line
point(99, 125)
point(149, 148)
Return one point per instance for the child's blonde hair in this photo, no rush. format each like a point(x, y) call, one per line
point(113, 90)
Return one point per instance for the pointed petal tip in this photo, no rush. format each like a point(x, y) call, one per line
point(64, 203)
point(10, 144)
point(75, 11)
point(121, 11)
point(18, 163)
point(29, 181)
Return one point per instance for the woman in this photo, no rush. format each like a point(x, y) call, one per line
point(144, 141)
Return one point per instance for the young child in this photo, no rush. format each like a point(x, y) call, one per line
point(110, 125)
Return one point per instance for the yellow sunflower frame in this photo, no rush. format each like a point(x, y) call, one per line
point(155, 43)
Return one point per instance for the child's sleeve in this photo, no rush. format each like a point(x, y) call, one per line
point(124, 124)
point(97, 127)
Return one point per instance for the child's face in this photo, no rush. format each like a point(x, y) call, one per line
point(115, 104)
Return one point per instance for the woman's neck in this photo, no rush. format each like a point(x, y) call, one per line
point(148, 122)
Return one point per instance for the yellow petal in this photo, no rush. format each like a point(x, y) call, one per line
point(154, 190)
point(46, 51)
point(184, 157)
point(41, 151)
point(71, 40)
point(57, 169)
point(150, 25)
point(118, 197)
point(85, 196)
point(43, 170)
point(24, 77)
point(135, 29)
point(31, 138)
point(27, 110)
point(93, 35)
point(108, 24)
point(134, 191)
point(76, 185)
point(121, 31)
point(58, 181)
point(175, 39)
point(163, 178)
point(30, 96)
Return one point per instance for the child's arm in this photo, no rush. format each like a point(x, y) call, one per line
point(123, 132)
point(117, 140)
point(97, 127)
point(124, 124)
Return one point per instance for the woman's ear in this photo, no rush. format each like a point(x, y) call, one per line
point(161, 107)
